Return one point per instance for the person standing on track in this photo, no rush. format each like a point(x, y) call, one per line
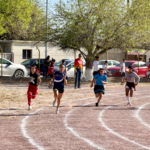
point(95, 68)
point(59, 82)
point(122, 71)
point(78, 68)
point(130, 77)
point(99, 89)
point(50, 72)
point(105, 68)
point(33, 84)
point(64, 63)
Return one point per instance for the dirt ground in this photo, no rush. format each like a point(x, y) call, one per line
point(80, 125)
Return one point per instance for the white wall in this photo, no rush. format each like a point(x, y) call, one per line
point(53, 52)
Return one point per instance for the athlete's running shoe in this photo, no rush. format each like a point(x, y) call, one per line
point(29, 107)
point(57, 110)
point(54, 102)
point(96, 104)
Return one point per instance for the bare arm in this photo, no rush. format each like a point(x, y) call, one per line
point(39, 81)
point(93, 82)
point(65, 81)
point(137, 77)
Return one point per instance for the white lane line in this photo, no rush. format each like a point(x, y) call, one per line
point(139, 118)
point(76, 134)
point(115, 133)
point(23, 125)
point(23, 129)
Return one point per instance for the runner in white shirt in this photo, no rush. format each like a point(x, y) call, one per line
point(105, 68)
point(122, 71)
point(95, 68)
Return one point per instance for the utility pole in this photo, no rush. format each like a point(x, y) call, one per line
point(46, 37)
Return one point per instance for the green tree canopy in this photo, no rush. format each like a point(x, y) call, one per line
point(21, 20)
point(95, 26)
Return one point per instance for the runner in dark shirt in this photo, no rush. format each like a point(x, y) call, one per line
point(33, 85)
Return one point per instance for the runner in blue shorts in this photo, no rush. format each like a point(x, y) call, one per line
point(100, 80)
point(59, 82)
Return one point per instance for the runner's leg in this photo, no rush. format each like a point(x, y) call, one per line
point(100, 97)
point(59, 98)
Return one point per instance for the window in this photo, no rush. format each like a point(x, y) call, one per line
point(109, 63)
point(27, 54)
point(101, 62)
point(135, 65)
point(115, 63)
point(4, 61)
point(142, 64)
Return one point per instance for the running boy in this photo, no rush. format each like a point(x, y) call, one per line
point(100, 80)
point(105, 68)
point(59, 82)
point(130, 83)
point(33, 85)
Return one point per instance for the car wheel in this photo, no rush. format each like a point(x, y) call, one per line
point(18, 74)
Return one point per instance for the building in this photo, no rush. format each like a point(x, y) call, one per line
point(19, 51)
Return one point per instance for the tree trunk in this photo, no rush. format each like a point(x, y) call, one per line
point(89, 69)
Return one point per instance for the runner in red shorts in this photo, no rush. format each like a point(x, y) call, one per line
point(33, 85)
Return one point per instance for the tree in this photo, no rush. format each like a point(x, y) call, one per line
point(93, 27)
point(21, 20)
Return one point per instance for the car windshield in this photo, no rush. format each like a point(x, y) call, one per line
point(26, 62)
point(67, 62)
point(127, 64)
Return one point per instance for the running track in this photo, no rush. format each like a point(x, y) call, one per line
point(80, 125)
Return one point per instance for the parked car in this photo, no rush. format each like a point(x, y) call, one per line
point(28, 63)
point(111, 63)
point(12, 69)
point(115, 71)
point(69, 66)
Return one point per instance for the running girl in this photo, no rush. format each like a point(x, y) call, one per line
point(100, 80)
point(130, 83)
point(59, 82)
point(33, 85)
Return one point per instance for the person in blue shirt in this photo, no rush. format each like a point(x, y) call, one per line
point(59, 82)
point(99, 79)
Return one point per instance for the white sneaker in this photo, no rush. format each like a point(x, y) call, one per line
point(29, 107)
point(57, 110)
point(54, 102)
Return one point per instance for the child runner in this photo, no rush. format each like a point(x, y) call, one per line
point(33, 85)
point(105, 68)
point(59, 82)
point(95, 68)
point(50, 72)
point(130, 83)
point(100, 79)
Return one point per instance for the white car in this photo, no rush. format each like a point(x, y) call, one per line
point(11, 69)
point(111, 63)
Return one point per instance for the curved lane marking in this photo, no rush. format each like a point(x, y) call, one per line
point(23, 125)
point(139, 118)
point(115, 133)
